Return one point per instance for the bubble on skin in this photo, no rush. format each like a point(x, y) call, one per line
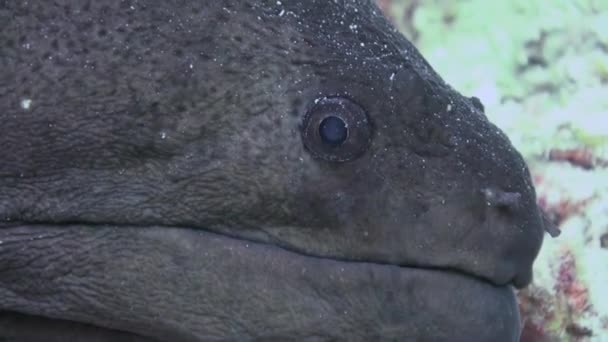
point(282, 12)
point(26, 104)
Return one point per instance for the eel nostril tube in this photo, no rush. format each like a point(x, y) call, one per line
point(499, 198)
point(512, 200)
point(550, 226)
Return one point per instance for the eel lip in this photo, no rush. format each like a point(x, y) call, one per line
point(519, 281)
point(522, 279)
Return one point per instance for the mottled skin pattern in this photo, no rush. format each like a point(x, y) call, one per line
point(155, 185)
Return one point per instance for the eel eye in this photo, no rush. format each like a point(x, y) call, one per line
point(336, 129)
point(333, 130)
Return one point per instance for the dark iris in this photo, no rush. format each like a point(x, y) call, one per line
point(333, 130)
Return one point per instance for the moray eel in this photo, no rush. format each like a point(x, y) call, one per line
point(184, 170)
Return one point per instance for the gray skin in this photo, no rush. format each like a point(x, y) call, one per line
point(157, 182)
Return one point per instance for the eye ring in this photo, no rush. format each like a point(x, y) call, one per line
point(336, 129)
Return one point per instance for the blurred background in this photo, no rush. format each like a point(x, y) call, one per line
point(541, 70)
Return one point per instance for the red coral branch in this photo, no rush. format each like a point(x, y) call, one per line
point(581, 157)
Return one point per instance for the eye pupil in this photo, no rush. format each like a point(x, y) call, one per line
point(333, 130)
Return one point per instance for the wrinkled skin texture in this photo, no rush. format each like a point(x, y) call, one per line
point(154, 183)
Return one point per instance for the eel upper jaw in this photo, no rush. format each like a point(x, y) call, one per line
point(520, 281)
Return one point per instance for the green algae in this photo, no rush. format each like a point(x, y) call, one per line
point(539, 67)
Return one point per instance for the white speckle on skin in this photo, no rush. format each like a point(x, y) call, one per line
point(26, 104)
point(449, 107)
point(163, 135)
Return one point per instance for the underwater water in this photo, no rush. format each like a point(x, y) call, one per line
point(541, 70)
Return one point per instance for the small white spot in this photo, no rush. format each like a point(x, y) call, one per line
point(362, 44)
point(26, 104)
point(392, 77)
point(449, 108)
point(163, 135)
point(191, 66)
point(281, 13)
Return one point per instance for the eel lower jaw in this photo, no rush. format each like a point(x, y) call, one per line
point(181, 284)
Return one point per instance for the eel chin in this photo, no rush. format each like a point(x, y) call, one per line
point(180, 284)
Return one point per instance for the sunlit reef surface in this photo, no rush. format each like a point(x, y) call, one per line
point(541, 69)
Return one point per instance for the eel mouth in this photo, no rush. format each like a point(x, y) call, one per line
point(183, 284)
